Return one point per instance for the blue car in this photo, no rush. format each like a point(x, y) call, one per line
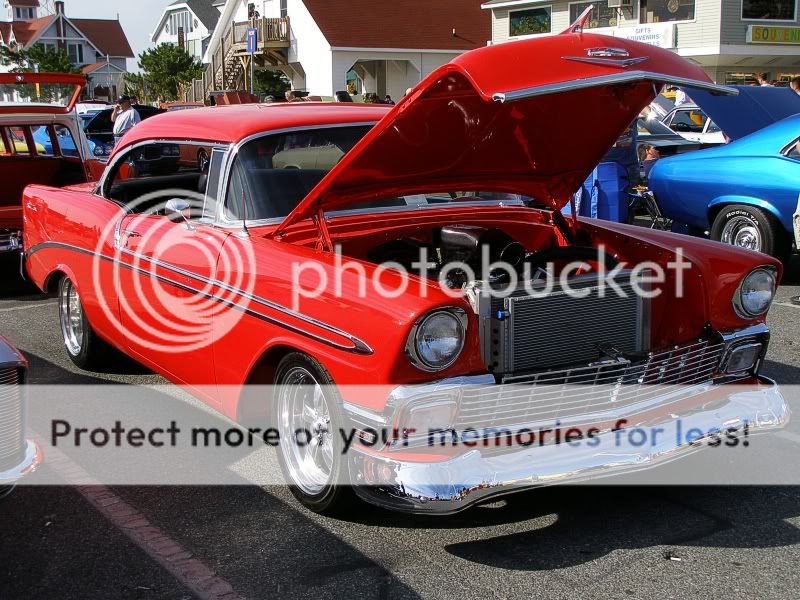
point(67, 144)
point(747, 192)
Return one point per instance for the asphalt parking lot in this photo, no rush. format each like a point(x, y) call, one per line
point(251, 542)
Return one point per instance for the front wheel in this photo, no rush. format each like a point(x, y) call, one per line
point(83, 346)
point(306, 407)
point(752, 228)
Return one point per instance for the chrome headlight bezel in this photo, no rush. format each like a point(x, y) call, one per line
point(412, 349)
point(739, 304)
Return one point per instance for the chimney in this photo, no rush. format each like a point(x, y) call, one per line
point(59, 7)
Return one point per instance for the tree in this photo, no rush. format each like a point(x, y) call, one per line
point(41, 59)
point(271, 83)
point(46, 60)
point(167, 69)
point(136, 86)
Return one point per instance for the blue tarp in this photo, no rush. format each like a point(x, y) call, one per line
point(753, 109)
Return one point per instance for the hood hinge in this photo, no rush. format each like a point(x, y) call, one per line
point(324, 242)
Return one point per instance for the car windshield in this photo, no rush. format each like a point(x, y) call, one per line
point(272, 174)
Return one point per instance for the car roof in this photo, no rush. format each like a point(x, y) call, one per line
point(231, 124)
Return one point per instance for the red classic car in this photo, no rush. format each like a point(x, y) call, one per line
point(472, 162)
point(40, 142)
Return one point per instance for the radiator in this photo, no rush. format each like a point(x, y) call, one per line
point(12, 434)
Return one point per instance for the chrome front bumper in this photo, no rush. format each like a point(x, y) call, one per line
point(454, 484)
point(31, 461)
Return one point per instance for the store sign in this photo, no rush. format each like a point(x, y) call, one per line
point(760, 34)
point(658, 34)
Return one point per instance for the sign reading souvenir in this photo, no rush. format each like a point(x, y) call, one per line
point(659, 34)
point(761, 34)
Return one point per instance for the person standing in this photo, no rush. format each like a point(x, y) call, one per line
point(124, 117)
point(681, 97)
point(762, 79)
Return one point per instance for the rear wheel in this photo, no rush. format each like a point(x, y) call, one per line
point(752, 228)
point(83, 346)
point(305, 406)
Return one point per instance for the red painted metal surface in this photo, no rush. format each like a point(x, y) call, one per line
point(448, 135)
point(74, 83)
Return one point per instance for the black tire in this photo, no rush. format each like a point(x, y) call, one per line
point(332, 499)
point(770, 236)
point(87, 351)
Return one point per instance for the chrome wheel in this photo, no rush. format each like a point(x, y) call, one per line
point(71, 317)
point(742, 232)
point(305, 430)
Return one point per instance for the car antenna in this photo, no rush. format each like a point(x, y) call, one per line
point(244, 233)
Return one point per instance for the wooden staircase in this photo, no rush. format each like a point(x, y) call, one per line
point(230, 62)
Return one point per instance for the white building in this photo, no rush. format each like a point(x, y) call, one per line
point(380, 47)
point(192, 20)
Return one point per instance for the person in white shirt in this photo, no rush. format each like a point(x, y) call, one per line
point(681, 97)
point(762, 80)
point(124, 117)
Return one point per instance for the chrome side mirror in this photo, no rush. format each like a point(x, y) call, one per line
point(181, 208)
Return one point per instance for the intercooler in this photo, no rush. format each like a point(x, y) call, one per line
point(540, 328)
point(12, 434)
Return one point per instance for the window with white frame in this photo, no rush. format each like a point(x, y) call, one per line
point(178, 19)
point(75, 53)
point(24, 13)
point(769, 10)
point(664, 11)
point(530, 21)
point(602, 15)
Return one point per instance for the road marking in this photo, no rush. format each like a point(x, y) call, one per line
point(190, 572)
point(789, 435)
point(28, 306)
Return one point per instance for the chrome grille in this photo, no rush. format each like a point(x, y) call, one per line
point(573, 393)
point(544, 331)
point(12, 440)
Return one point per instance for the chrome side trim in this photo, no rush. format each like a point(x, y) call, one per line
point(615, 79)
point(358, 346)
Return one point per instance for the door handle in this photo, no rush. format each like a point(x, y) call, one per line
point(31, 207)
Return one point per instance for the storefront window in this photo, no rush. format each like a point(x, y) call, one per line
point(740, 79)
point(530, 21)
point(769, 10)
point(662, 11)
point(601, 16)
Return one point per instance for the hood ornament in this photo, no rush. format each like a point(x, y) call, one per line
point(612, 57)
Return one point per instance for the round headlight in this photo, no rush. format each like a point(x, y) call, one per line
point(437, 340)
point(755, 293)
point(98, 151)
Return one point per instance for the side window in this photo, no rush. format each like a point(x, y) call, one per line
point(793, 151)
point(713, 127)
point(17, 141)
point(271, 174)
point(43, 140)
point(180, 169)
point(66, 142)
point(688, 121)
point(214, 169)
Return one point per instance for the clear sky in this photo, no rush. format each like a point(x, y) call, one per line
point(138, 17)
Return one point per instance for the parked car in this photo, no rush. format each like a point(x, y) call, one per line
point(18, 456)
point(744, 193)
point(100, 129)
point(691, 123)
point(40, 143)
point(442, 353)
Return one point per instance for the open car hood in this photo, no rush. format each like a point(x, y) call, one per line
point(49, 93)
point(530, 117)
point(752, 109)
